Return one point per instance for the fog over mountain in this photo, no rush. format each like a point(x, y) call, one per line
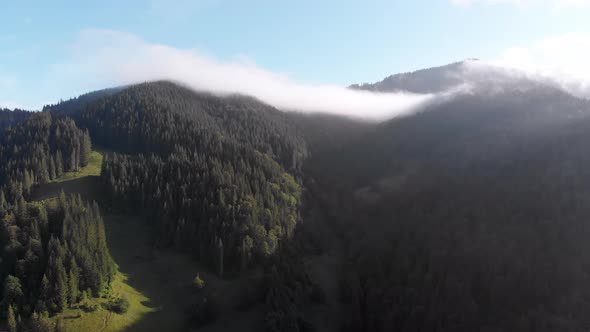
point(468, 76)
point(109, 58)
point(112, 58)
point(99, 58)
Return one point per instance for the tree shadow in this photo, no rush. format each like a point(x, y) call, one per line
point(164, 279)
point(86, 186)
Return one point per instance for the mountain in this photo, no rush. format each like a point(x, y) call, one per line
point(227, 160)
point(453, 214)
point(217, 178)
point(431, 80)
point(469, 215)
point(471, 75)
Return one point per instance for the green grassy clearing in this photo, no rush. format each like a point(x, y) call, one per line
point(103, 320)
point(92, 169)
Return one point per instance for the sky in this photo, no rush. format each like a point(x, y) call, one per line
point(303, 51)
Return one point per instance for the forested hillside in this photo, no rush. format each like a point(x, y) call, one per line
point(431, 80)
point(216, 175)
point(53, 253)
point(157, 117)
point(470, 215)
point(39, 150)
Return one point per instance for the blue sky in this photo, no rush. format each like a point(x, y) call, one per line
point(333, 42)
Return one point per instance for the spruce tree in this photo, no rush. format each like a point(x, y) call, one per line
point(11, 319)
point(85, 149)
point(3, 203)
point(13, 291)
point(45, 289)
point(73, 279)
point(59, 164)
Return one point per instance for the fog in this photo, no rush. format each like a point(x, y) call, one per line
point(561, 59)
point(104, 58)
point(111, 58)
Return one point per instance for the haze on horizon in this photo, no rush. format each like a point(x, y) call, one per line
point(95, 58)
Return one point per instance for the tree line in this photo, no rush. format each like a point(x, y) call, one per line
point(39, 150)
point(9, 118)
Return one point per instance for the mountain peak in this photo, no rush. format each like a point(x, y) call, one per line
point(478, 76)
point(429, 80)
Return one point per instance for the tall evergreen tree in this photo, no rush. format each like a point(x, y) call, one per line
point(11, 319)
point(73, 280)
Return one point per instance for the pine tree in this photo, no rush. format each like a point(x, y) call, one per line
point(72, 165)
point(44, 294)
point(59, 164)
point(11, 320)
point(61, 288)
point(52, 173)
point(85, 149)
point(22, 208)
point(73, 279)
point(27, 182)
point(13, 291)
point(57, 276)
point(220, 257)
point(43, 171)
point(42, 218)
point(3, 203)
point(63, 204)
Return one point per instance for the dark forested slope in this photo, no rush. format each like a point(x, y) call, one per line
point(471, 215)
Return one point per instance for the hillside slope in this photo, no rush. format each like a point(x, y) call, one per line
point(470, 215)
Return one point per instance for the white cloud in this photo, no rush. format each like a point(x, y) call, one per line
point(563, 59)
point(102, 58)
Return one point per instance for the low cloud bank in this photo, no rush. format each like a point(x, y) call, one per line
point(562, 59)
point(102, 58)
point(107, 58)
point(559, 61)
